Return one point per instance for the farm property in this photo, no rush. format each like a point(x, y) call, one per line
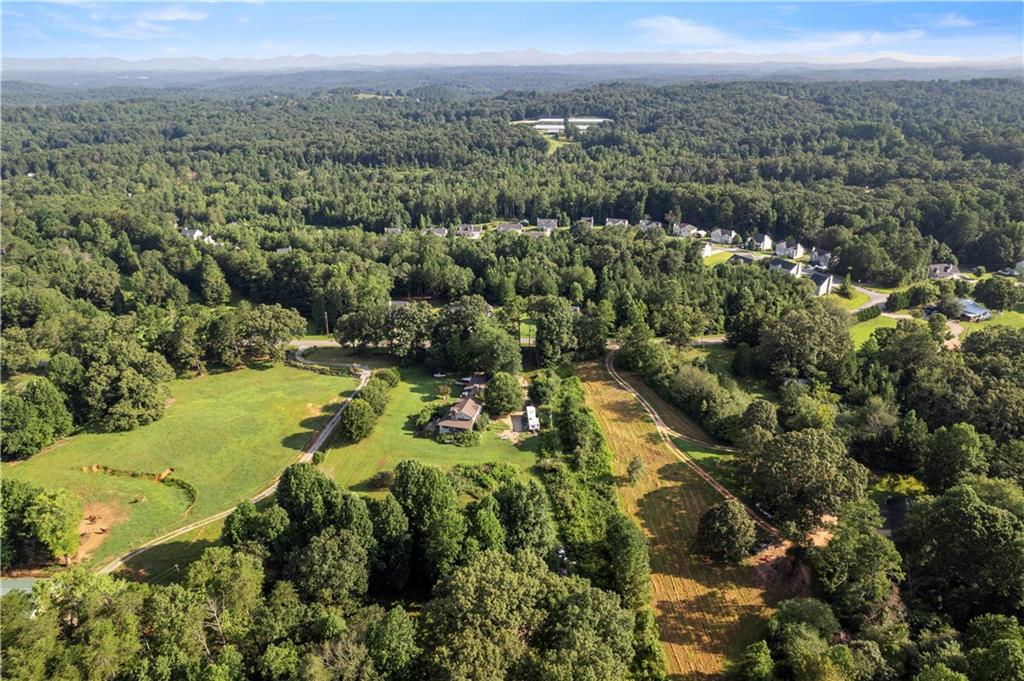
point(227, 435)
point(707, 614)
point(393, 439)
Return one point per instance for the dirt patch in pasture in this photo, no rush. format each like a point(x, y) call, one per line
point(98, 519)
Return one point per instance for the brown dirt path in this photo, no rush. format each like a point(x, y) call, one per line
point(707, 614)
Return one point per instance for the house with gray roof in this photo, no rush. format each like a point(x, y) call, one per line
point(461, 417)
point(791, 268)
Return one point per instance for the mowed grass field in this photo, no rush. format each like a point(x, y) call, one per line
point(707, 614)
point(718, 257)
point(229, 435)
point(861, 331)
point(1013, 318)
point(855, 300)
point(393, 439)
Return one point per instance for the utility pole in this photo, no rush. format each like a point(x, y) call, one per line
point(326, 325)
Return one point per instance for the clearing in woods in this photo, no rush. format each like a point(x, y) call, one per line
point(708, 614)
point(228, 435)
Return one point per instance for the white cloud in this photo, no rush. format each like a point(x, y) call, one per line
point(107, 23)
point(172, 14)
point(675, 31)
point(669, 30)
point(954, 20)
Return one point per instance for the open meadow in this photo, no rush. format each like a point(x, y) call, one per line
point(861, 331)
point(393, 439)
point(707, 614)
point(228, 435)
point(856, 299)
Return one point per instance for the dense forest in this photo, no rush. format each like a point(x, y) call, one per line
point(105, 301)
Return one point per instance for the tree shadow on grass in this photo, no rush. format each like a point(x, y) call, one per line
point(165, 563)
point(310, 424)
point(378, 482)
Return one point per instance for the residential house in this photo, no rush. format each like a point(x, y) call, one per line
point(706, 250)
point(822, 281)
point(393, 230)
point(586, 222)
point(683, 229)
point(461, 417)
point(724, 236)
point(286, 249)
point(740, 259)
point(649, 224)
point(973, 312)
point(469, 231)
point(532, 422)
point(820, 258)
point(789, 249)
point(791, 268)
point(616, 222)
point(547, 223)
point(760, 242)
point(513, 227)
point(192, 234)
point(438, 231)
point(943, 271)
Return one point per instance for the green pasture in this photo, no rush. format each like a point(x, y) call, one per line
point(393, 440)
point(228, 435)
point(861, 331)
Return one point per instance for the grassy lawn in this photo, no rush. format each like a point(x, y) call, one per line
point(861, 331)
point(715, 462)
point(717, 257)
point(855, 300)
point(331, 353)
point(555, 144)
point(228, 434)
point(718, 359)
point(707, 613)
point(1013, 318)
point(393, 440)
point(527, 328)
point(895, 484)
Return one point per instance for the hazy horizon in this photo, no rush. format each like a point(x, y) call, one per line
point(311, 35)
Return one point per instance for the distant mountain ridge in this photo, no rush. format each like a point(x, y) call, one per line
point(513, 58)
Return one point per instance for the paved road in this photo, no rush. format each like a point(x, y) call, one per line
point(874, 298)
point(667, 434)
point(319, 438)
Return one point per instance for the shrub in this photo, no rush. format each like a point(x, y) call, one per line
point(469, 438)
point(389, 376)
point(634, 469)
point(482, 422)
point(357, 420)
point(375, 393)
point(725, 532)
point(868, 313)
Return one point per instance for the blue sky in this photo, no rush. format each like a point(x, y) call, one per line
point(974, 30)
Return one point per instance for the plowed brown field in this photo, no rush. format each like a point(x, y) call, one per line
point(708, 614)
